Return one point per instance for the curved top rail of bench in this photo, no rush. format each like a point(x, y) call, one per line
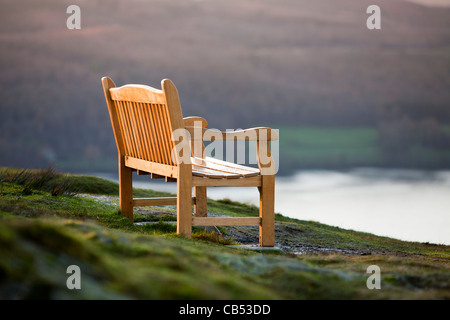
point(138, 93)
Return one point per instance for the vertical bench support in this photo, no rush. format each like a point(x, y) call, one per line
point(125, 188)
point(200, 206)
point(184, 200)
point(267, 211)
point(266, 194)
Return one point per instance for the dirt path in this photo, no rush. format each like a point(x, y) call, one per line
point(289, 239)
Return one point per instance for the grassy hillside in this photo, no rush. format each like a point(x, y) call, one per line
point(42, 234)
point(238, 64)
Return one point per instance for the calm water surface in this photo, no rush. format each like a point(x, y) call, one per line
point(403, 204)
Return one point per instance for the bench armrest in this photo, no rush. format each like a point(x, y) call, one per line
point(262, 135)
point(251, 134)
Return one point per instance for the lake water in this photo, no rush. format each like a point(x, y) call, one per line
point(403, 204)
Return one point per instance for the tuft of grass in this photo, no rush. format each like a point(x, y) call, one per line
point(39, 179)
point(160, 227)
point(213, 237)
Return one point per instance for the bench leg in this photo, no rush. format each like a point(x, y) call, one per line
point(184, 203)
point(125, 189)
point(267, 211)
point(200, 206)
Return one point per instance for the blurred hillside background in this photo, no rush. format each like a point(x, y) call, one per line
point(342, 95)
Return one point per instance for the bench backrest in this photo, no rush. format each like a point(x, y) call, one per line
point(143, 120)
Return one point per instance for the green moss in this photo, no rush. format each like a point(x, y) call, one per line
point(35, 253)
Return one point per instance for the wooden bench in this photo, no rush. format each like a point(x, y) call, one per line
point(145, 120)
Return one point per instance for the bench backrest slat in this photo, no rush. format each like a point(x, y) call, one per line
point(143, 120)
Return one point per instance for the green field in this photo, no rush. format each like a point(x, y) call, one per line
point(343, 148)
point(315, 147)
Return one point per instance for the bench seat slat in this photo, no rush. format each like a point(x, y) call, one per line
point(231, 165)
point(220, 169)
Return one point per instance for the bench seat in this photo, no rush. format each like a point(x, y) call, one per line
point(217, 169)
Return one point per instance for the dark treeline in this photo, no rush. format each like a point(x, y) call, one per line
point(303, 63)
